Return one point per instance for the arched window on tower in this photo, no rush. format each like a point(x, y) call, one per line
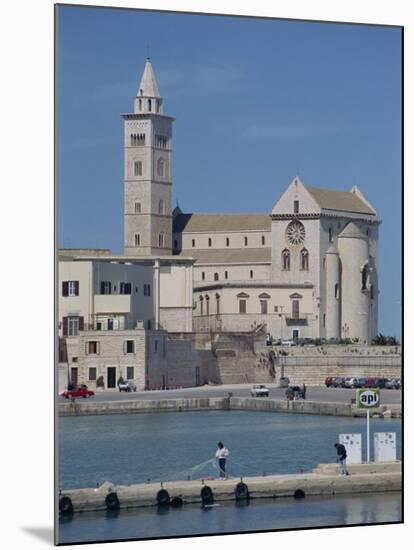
point(336, 290)
point(140, 104)
point(201, 305)
point(137, 207)
point(137, 240)
point(207, 304)
point(149, 105)
point(304, 259)
point(330, 235)
point(286, 260)
point(160, 167)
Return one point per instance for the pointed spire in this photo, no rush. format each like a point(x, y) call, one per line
point(148, 98)
point(148, 86)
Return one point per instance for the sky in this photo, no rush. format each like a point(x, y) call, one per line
point(256, 102)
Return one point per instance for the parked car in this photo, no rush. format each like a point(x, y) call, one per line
point(127, 385)
point(347, 383)
point(370, 383)
point(78, 391)
point(338, 382)
point(360, 383)
point(380, 382)
point(398, 384)
point(259, 390)
point(393, 384)
point(295, 392)
point(284, 382)
point(329, 381)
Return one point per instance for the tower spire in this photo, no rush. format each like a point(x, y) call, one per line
point(148, 99)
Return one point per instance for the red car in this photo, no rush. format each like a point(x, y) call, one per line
point(80, 391)
point(329, 381)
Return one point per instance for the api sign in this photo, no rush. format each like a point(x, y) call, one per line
point(368, 399)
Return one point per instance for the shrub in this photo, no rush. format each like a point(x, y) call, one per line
point(100, 382)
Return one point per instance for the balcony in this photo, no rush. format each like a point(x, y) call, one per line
point(112, 303)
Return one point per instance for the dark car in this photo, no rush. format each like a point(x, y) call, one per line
point(380, 382)
point(79, 391)
point(338, 382)
point(370, 383)
point(360, 383)
point(329, 381)
point(393, 384)
point(295, 392)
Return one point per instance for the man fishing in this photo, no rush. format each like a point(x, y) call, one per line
point(221, 454)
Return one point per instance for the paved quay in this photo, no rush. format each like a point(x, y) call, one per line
point(83, 407)
point(324, 480)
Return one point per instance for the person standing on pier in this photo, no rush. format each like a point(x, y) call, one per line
point(221, 454)
point(341, 458)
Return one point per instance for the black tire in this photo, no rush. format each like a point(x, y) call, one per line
point(176, 502)
point(112, 501)
point(65, 505)
point(241, 491)
point(299, 493)
point(207, 495)
point(163, 498)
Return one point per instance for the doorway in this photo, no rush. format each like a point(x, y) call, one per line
point(111, 377)
point(74, 376)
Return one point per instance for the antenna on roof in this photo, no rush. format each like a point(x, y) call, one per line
point(148, 50)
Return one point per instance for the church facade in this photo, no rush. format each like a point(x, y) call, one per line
point(306, 269)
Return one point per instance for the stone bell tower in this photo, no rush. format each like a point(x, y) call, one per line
point(148, 172)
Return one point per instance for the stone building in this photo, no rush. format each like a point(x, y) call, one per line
point(307, 268)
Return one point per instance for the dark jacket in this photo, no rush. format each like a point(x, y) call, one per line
point(341, 451)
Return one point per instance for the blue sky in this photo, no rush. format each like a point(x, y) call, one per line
point(257, 102)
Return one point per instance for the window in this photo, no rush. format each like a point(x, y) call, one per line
point(304, 259)
point(175, 243)
point(324, 320)
point(161, 142)
point(149, 324)
point(251, 274)
point(147, 289)
point(155, 346)
point(137, 239)
point(137, 207)
point(161, 240)
point(263, 240)
point(245, 241)
point(106, 287)
point(92, 373)
point(242, 306)
point(160, 167)
point(125, 288)
point(226, 275)
point(130, 373)
point(70, 288)
point(193, 243)
point(372, 293)
point(263, 306)
point(217, 304)
point(140, 104)
point(73, 326)
point(161, 207)
point(286, 260)
point(92, 347)
point(216, 276)
point(330, 235)
point(209, 242)
point(203, 276)
point(129, 346)
point(207, 305)
point(137, 168)
point(74, 359)
point(295, 309)
point(149, 105)
point(137, 140)
point(111, 324)
point(295, 207)
point(201, 305)
point(227, 241)
point(336, 290)
point(276, 309)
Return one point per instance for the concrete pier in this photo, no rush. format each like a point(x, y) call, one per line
point(90, 407)
point(324, 480)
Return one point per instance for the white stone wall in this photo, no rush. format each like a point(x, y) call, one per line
point(218, 239)
point(81, 305)
point(235, 272)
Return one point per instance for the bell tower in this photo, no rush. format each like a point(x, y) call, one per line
point(147, 172)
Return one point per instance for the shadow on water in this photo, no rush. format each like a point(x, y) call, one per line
point(42, 533)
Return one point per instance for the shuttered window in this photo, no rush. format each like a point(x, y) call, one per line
point(130, 373)
point(295, 309)
point(242, 306)
point(70, 288)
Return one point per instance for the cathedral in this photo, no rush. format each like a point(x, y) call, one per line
point(308, 268)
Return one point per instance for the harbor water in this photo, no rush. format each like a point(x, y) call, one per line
point(135, 448)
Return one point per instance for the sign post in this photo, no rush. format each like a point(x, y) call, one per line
point(368, 399)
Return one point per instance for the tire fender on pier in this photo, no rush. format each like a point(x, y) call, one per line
point(207, 495)
point(65, 505)
point(163, 497)
point(112, 501)
point(241, 491)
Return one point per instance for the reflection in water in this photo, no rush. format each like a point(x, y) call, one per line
point(256, 515)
